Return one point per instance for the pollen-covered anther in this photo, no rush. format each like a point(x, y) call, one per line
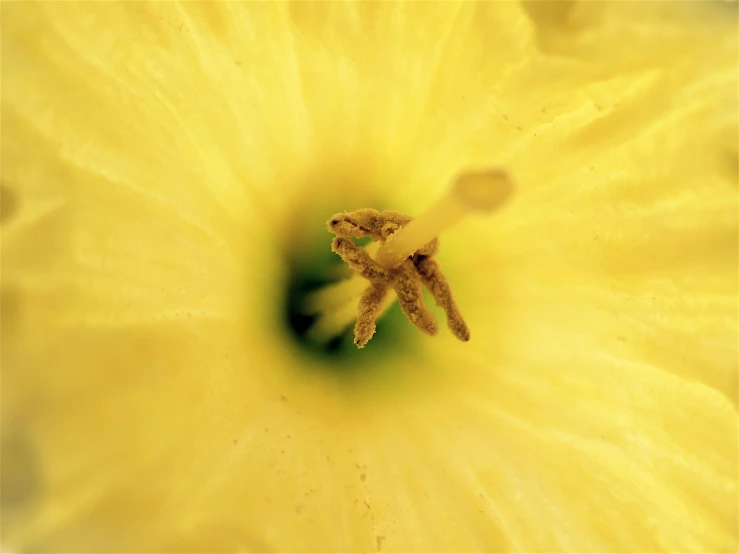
point(403, 262)
point(406, 279)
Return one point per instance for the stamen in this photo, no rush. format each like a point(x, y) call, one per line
point(370, 306)
point(436, 283)
point(333, 321)
point(402, 264)
point(471, 192)
point(333, 296)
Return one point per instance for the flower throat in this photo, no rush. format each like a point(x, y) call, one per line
point(396, 264)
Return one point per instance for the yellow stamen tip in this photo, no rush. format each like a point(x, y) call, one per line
point(483, 191)
point(473, 191)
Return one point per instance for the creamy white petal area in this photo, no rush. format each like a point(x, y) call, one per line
point(162, 161)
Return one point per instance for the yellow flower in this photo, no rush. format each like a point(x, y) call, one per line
point(167, 171)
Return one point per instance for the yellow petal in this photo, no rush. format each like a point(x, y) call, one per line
point(165, 163)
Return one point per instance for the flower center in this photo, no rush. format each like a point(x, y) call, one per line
point(320, 306)
point(323, 300)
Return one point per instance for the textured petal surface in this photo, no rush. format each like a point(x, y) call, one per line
point(159, 161)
